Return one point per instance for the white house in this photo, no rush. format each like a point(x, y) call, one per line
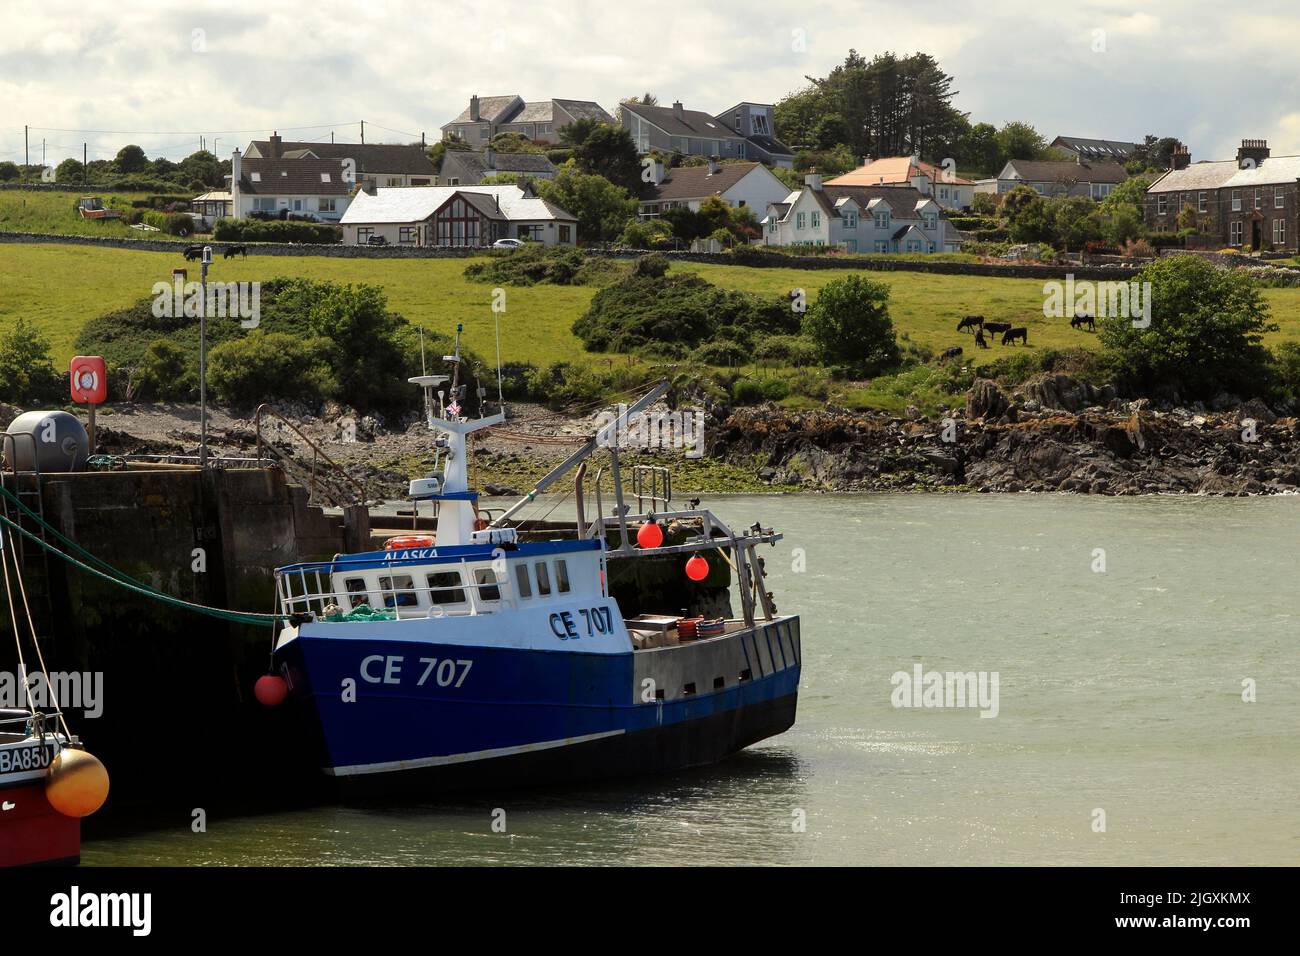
point(742, 185)
point(860, 219)
point(374, 164)
point(457, 216)
point(319, 188)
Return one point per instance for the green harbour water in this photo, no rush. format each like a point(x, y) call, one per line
point(1118, 691)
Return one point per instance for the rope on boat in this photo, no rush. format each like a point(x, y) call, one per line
point(40, 656)
point(131, 584)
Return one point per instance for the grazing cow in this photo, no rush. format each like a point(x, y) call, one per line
point(193, 252)
point(953, 352)
point(971, 322)
point(236, 251)
point(1079, 321)
point(979, 339)
point(1010, 335)
point(996, 328)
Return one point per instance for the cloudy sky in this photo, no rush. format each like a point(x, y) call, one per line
point(160, 74)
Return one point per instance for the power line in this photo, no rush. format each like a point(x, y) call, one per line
point(195, 132)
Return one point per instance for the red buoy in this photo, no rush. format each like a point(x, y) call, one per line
point(270, 690)
point(697, 569)
point(650, 535)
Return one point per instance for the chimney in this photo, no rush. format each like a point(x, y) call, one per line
point(277, 146)
point(678, 112)
point(525, 187)
point(473, 108)
point(714, 166)
point(866, 160)
point(1251, 153)
point(236, 168)
point(1182, 157)
point(490, 157)
point(813, 181)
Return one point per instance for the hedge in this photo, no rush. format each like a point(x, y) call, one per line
point(258, 230)
point(172, 223)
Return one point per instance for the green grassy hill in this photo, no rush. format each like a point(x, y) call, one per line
point(55, 212)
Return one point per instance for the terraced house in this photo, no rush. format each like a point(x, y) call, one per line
point(1250, 203)
point(542, 121)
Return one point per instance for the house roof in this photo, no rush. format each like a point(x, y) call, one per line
point(1047, 171)
point(898, 197)
point(491, 109)
point(464, 164)
point(696, 182)
point(1096, 148)
point(405, 204)
point(773, 147)
point(894, 170)
point(370, 157)
point(542, 112)
point(691, 122)
point(1274, 170)
point(585, 109)
point(293, 177)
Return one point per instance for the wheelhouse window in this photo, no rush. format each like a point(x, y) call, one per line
point(398, 590)
point(543, 578)
point(523, 583)
point(488, 587)
point(445, 587)
point(357, 591)
point(562, 570)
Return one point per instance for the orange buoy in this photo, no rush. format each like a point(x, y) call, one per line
point(650, 535)
point(697, 569)
point(270, 690)
point(77, 784)
point(408, 541)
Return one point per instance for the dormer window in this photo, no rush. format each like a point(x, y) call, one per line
point(324, 177)
point(255, 177)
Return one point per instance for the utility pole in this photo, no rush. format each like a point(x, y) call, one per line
point(363, 132)
point(203, 359)
point(27, 159)
point(85, 170)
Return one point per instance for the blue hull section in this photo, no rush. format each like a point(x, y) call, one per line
point(382, 708)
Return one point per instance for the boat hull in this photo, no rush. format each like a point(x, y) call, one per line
point(32, 832)
point(380, 720)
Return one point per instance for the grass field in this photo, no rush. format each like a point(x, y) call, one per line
point(55, 212)
point(60, 287)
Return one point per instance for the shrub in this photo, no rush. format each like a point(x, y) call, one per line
point(651, 234)
point(271, 365)
point(172, 223)
point(722, 351)
point(261, 230)
point(787, 350)
point(26, 373)
point(753, 391)
point(654, 265)
point(533, 264)
point(166, 374)
point(849, 324)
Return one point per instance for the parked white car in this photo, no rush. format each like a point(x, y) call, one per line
point(508, 244)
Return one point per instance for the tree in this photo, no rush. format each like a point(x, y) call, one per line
point(980, 150)
point(830, 132)
point(798, 115)
point(1026, 214)
point(576, 133)
point(264, 365)
point(603, 209)
point(1153, 154)
point(203, 166)
point(8, 172)
point(1074, 220)
point(645, 99)
point(514, 143)
point(609, 151)
point(1205, 332)
point(849, 324)
point(1020, 141)
point(69, 171)
point(130, 159)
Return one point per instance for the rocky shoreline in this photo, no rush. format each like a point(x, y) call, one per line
point(1053, 435)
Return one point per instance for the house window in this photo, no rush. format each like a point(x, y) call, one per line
point(1234, 234)
point(297, 205)
point(850, 220)
point(1200, 201)
point(816, 220)
point(1162, 204)
point(800, 220)
point(1279, 199)
point(943, 192)
point(1279, 232)
point(1259, 199)
point(739, 127)
point(1236, 200)
point(325, 205)
point(760, 124)
point(408, 235)
point(445, 588)
point(363, 235)
point(931, 220)
point(565, 232)
point(263, 204)
point(774, 226)
point(882, 245)
point(882, 220)
point(529, 232)
point(913, 245)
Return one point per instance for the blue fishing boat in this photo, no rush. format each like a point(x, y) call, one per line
point(498, 651)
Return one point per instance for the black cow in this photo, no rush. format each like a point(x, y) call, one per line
point(996, 328)
point(236, 251)
point(979, 339)
point(193, 252)
point(1079, 321)
point(953, 352)
point(1010, 335)
point(970, 322)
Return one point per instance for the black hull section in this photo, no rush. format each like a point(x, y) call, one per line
point(691, 743)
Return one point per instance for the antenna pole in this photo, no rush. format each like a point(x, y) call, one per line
point(500, 398)
point(423, 368)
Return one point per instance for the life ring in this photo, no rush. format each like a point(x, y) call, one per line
point(408, 541)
